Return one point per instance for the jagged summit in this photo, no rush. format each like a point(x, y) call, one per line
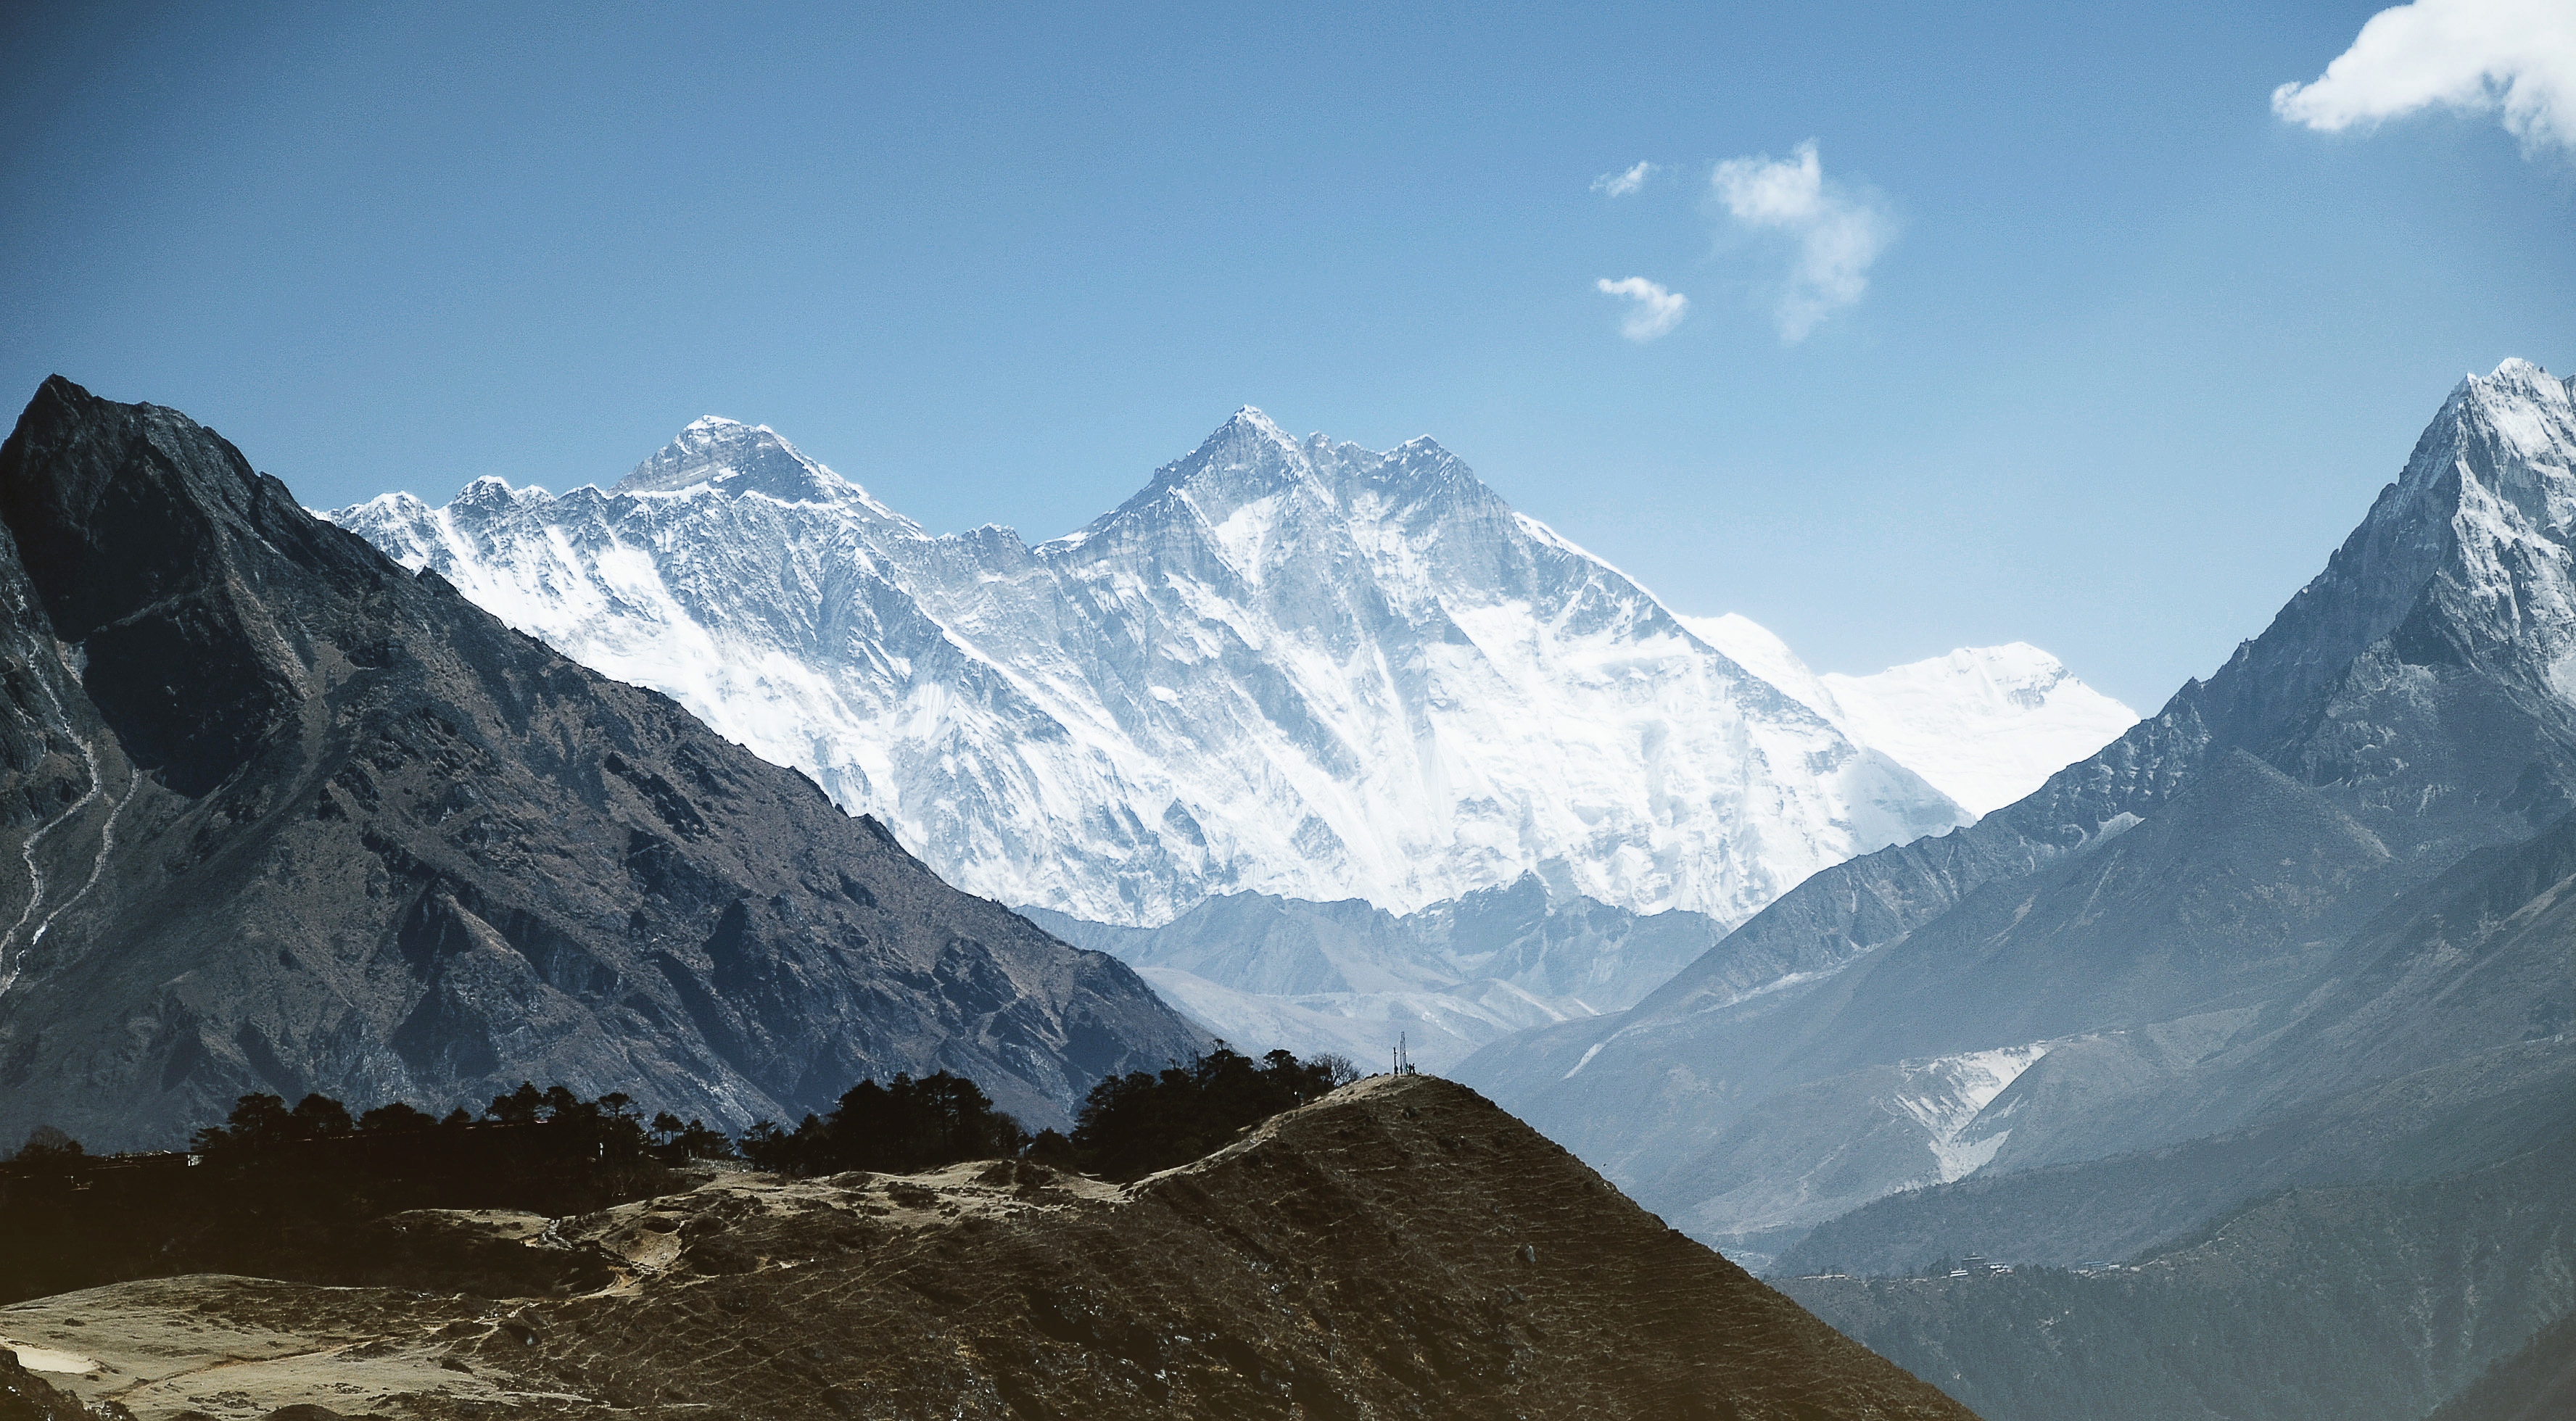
point(1252, 419)
point(2511, 428)
point(737, 459)
point(2411, 708)
point(1246, 453)
point(1249, 457)
point(2469, 548)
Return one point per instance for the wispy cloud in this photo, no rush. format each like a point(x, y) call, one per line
point(1624, 183)
point(2516, 57)
point(1837, 230)
point(1656, 310)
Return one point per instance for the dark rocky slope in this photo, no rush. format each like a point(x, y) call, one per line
point(2451, 1119)
point(1400, 1249)
point(2537, 1383)
point(2440, 1044)
point(277, 816)
point(2354, 1303)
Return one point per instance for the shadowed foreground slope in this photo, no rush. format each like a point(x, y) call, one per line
point(1402, 1248)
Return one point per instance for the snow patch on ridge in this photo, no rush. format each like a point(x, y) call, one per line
point(1947, 1093)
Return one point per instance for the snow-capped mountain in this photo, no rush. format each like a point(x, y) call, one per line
point(1286, 666)
point(2335, 864)
point(1984, 724)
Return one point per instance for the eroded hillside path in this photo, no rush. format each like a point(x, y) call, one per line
point(1401, 1248)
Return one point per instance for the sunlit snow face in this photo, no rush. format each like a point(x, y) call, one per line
point(1349, 674)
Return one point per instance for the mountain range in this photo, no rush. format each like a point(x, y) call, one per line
point(278, 815)
point(2300, 927)
point(1267, 972)
point(1334, 746)
point(1291, 667)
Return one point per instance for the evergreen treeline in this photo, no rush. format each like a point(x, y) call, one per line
point(1130, 1125)
point(262, 1130)
point(301, 1192)
point(899, 1128)
point(306, 1191)
point(1135, 1124)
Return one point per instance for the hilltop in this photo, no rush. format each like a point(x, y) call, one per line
point(1400, 1248)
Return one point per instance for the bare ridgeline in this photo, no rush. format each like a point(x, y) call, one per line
point(294, 821)
point(1400, 1248)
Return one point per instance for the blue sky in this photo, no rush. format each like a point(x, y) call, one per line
point(2131, 352)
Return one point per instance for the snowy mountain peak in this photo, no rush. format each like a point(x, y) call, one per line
point(1987, 724)
point(2520, 419)
point(1245, 458)
point(491, 490)
point(1248, 434)
point(1293, 667)
point(2514, 377)
point(736, 459)
point(2495, 470)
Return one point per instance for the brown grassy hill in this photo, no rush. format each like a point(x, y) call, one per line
point(1401, 1249)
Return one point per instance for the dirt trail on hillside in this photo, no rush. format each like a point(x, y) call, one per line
point(1401, 1249)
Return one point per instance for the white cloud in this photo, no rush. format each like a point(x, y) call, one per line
point(1622, 184)
point(2517, 57)
point(1838, 230)
point(1657, 310)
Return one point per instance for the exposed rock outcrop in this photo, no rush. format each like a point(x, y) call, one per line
point(277, 815)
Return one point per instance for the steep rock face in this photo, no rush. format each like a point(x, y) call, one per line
point(1285, 666)
point(1400, 1248)
point(294, 819)
point(2406, 708)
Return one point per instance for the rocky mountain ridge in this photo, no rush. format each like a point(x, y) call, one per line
point(2159, 923)
point(292, 818)
point(2355, 1303)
